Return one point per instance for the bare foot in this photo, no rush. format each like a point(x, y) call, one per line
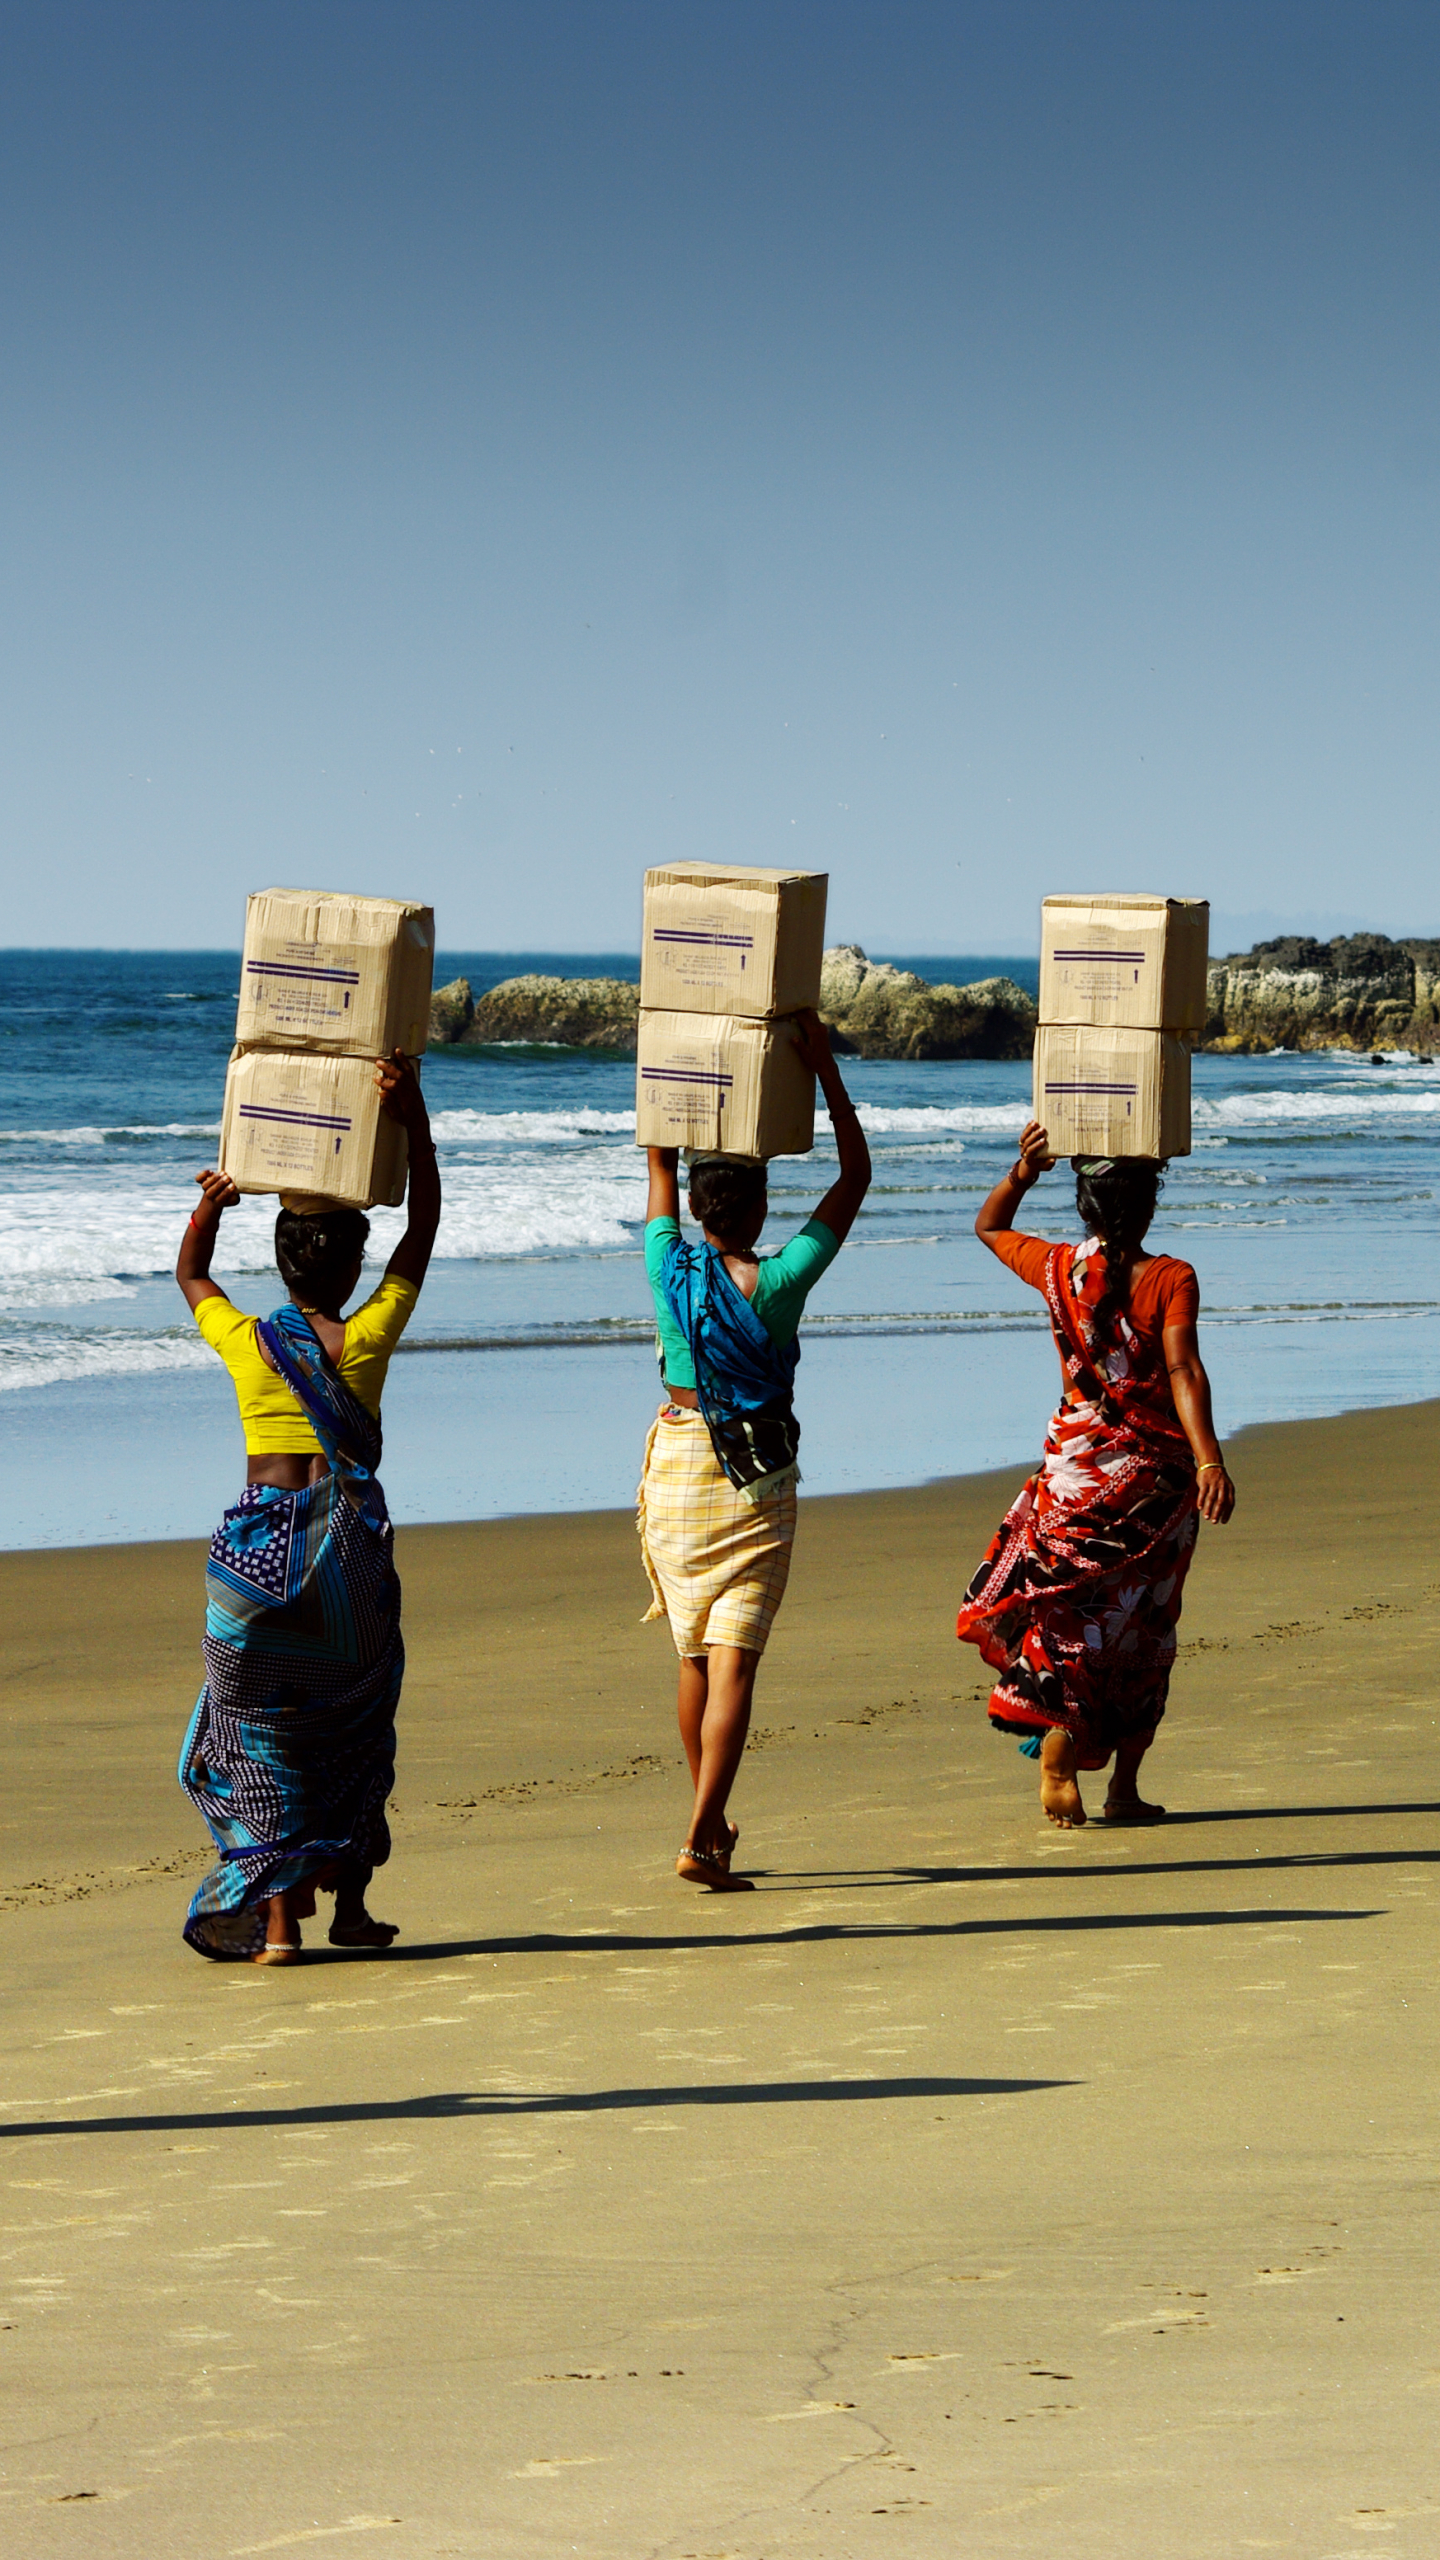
point(1131, 1809)
point(1060, 1801)
point(1059, 1794)
point(704, 1866)
point(282, 1928)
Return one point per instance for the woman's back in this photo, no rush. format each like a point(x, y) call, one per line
point(779, 1286)
point(269, 1414)
point(1162, 1293)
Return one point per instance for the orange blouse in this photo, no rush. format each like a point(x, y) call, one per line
point(1166, 1292)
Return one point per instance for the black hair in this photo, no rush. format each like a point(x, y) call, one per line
point(1117, 1205)
point(318, 1251)
point(724, 1190)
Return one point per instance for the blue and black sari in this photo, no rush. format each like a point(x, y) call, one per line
point(290, 1754)
point(744, 1381)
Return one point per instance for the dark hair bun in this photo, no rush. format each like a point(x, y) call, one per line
point(725, 1190)
point(320, 1250)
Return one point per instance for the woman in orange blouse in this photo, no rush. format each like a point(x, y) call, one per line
point(1077, 1601)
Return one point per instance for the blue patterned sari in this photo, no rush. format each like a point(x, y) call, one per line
point(744, 1382)
point(290, 1753)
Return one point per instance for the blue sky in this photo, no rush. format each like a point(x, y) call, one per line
point(473, 452)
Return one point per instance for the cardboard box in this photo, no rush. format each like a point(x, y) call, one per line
point(732, 941)
point(1112, 1093)
point(722, 1085)
point(1125, 962)
point(322, 971)
point(302, 1121)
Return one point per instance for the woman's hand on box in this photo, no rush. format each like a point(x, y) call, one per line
point(218, 1192)
point(399, 1089)
point(1035, 1156)
point(812, 1041)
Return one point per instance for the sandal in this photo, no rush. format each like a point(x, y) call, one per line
point(378, 1934)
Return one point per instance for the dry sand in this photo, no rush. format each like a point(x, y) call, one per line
point(968, 2189)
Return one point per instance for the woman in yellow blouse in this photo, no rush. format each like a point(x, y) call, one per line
point(290, 1754)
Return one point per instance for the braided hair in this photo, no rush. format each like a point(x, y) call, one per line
point(725, 1190)
point(319, 1251)
point(1117, 1200)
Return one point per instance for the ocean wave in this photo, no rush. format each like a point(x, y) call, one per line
point(1268, 1106)
point(924, 1120)
point(49, 1358)
point(1262, 1108)
point(19, 1294)
point(93, 1135)
point(528, 1128)
point(465, 1127)
point(60, 1236)
point(593, 1203)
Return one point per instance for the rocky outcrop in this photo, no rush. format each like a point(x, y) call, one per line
point(877, 1011)
point(569, 1013)
point(1361, 991)
point(874, 1011)
point(452, 1010)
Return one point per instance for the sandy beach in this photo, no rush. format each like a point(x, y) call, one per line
point(968, 2187)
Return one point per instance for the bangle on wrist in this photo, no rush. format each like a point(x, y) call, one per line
point(1208, 1466)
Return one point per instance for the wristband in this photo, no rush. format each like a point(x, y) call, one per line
point(1209, 1466)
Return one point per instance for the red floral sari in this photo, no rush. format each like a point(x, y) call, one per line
point(1077, 1601)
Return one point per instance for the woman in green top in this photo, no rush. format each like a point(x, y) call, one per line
point(717, 1498)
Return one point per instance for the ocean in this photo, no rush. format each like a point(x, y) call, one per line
point(528, 1377)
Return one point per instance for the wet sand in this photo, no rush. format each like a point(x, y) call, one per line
point(967, 2188)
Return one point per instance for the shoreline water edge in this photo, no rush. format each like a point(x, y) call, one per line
point(1308, 1208)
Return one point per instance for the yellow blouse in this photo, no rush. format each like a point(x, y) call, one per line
point(272, 1418)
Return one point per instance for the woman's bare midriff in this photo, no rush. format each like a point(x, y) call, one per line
point(287, 1469)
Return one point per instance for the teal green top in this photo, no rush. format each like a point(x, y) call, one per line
point(785, 1282)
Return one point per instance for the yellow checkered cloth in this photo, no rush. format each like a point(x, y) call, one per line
point(718, 1565)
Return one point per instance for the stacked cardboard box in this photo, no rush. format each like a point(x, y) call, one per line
point(727, 959)
point(1122, 995)
point(327, 985)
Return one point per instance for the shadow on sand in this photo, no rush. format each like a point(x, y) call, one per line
point(467, 2104)
point(811, 1933)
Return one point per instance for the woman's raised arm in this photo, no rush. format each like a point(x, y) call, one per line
point(401, 1096)
point(664, 1199)
point(997, 1215)
point(841, 1205)
point(192, 1263)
